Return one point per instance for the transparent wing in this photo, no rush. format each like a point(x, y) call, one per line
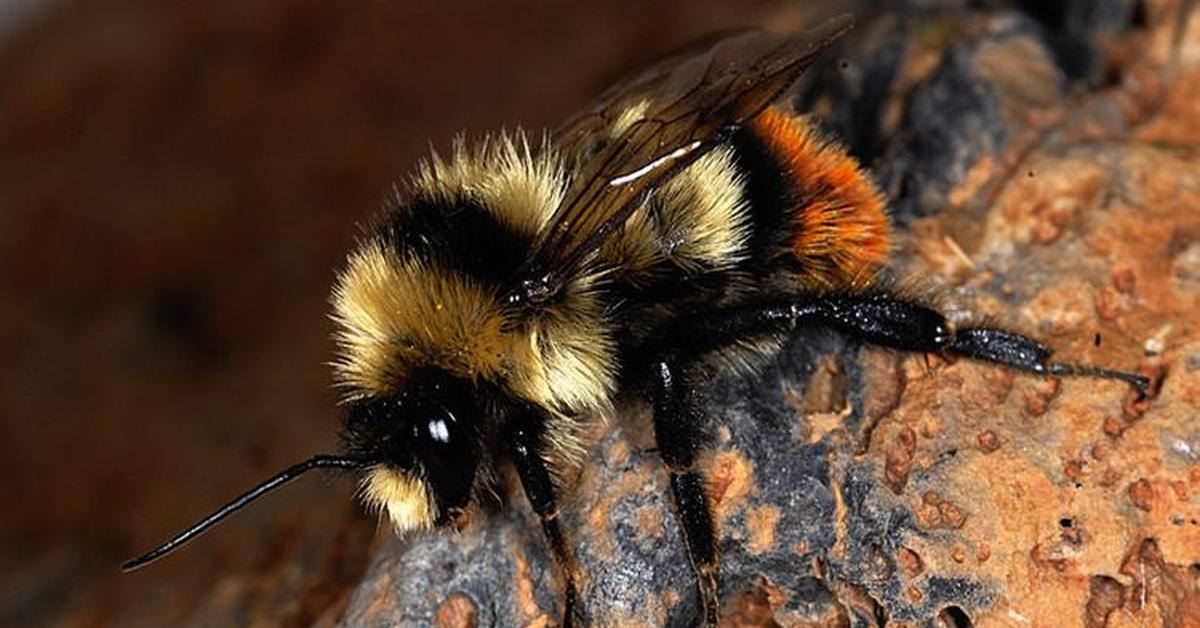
point(692, 102)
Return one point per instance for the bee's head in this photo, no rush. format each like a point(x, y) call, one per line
point(422, 445)
point(419, 448)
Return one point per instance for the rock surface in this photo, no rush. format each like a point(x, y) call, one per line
point(180, 179)
point(857, 487)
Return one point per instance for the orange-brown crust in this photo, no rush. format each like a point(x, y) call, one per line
point(840, 230)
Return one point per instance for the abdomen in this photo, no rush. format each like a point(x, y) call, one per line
point(816, 215)
point(777, 209)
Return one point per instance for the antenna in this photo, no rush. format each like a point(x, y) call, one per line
point(202, 526)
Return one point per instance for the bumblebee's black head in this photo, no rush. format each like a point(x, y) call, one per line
point(419, 447)
point(422, 445)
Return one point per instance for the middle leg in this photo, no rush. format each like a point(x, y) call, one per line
point(680, 430)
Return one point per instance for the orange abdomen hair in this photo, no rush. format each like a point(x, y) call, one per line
point(840, 231)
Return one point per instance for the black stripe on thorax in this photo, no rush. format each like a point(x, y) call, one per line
point(462, 236)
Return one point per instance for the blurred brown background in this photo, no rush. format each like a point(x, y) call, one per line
point(178, 184)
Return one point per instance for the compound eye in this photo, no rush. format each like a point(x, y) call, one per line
point(446, 443)
point(431, 430)
point(439, 431)
point(442, 428)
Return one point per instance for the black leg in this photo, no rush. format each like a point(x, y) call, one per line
point(680, 430)
point(877, 319)
point(523, 436)
point(1026, 354)
point(885, 320)
point(888, 321)
point(880, 319)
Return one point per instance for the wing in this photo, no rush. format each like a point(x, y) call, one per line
point(692, 102)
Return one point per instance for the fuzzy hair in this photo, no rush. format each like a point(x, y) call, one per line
point(585, 146)
point(696, 222)
point(403, 497)
point(520, 186)
point(841, 233)
point(745, 357)
point(398, 312)
point(627, 118)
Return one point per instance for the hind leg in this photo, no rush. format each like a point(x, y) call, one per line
point(887, 321)
point(676, 381)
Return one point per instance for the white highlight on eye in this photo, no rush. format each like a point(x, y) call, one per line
point(439, 431)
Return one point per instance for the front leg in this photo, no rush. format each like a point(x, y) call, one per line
point(523, 436)
point(681, 432)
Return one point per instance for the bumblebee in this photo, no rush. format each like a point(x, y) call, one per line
point(681, 227)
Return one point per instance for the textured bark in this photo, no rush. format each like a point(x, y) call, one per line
point(1047, 169)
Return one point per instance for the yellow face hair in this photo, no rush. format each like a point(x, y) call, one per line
point(402, 497)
